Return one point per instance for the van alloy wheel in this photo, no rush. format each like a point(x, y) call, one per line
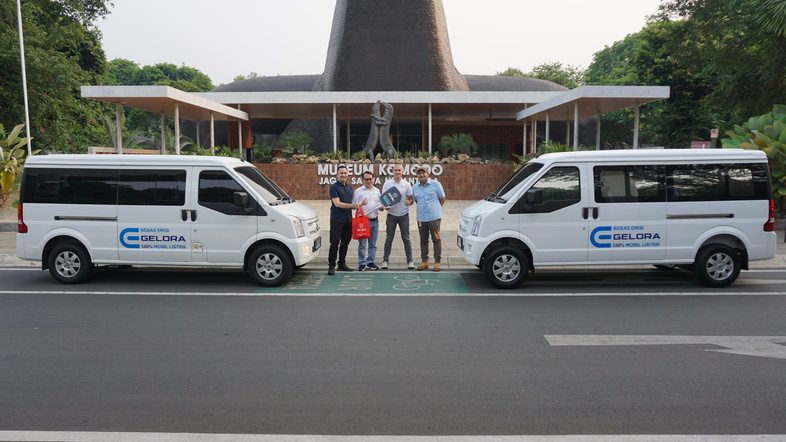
point(69, 263)
point(505, 268)
point(270, 266)
point(717, 265)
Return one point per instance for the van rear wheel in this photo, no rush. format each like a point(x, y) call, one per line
point(717, 265)
point(505, 268)
point(69, 263)
point(270, 266)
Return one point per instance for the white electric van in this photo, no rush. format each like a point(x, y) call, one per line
point(78, 211)
point(707, 210)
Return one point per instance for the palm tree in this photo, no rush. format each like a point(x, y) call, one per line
point(771, 15)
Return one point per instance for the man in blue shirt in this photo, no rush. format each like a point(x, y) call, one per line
point(340, 220)
point(430, 197)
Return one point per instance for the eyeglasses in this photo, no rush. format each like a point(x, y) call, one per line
point(368, 179)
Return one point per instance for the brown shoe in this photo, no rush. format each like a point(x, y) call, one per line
point(423, 266)
point(437, 267)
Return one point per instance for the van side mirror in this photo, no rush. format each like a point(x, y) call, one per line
point(534, 197)
point(240, 199)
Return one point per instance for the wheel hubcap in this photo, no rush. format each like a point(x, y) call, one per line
point(68, 264)
point(720, 266)
point(269, 266)
point(506, 268)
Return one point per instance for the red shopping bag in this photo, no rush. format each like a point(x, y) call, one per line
point(360, 227)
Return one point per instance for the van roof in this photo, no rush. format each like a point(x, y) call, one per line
point(86, 160)
point(656, 155)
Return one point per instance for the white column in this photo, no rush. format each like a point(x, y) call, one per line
point(429, 128)
point(119, 127)
point(636, 126)
point(239, 136)
point(212, 131)
point(335, 130)
point(163, 134)
point(576, 126)
point(177, 128)
point(548, 126)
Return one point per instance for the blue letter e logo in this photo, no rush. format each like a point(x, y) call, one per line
point(595, 236)
point(124, 236)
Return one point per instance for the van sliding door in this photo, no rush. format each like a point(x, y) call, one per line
point(627, 216)
point(151, 216)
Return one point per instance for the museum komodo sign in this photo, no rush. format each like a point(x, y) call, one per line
point(326, 173)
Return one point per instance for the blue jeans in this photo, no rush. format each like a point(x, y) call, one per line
point(364, 259)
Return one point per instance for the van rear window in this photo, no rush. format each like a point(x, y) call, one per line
point(717, 182)
point(104, 187)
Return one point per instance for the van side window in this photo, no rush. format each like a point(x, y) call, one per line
point(159, 188)
point(560, 187)
point(717, 182)
point(70, 186)
point(216, 190)
point(629, 184)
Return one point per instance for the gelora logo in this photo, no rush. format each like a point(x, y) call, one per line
point(597, 234)
point(125, 236)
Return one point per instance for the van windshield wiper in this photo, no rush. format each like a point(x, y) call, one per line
point(494, 198)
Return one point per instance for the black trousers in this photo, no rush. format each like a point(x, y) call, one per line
point(340, 236)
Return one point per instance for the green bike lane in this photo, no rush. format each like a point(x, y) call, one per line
point(361, 283)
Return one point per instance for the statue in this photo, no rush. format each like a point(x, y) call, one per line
point(380, 131)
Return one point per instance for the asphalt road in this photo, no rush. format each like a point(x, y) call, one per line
point(630, 352)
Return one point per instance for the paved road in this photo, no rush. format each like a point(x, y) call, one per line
point(195, 352)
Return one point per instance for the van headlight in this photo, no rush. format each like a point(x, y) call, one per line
point(476, 225)
point(300, 230)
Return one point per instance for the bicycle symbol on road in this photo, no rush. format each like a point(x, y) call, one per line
point(412, 282)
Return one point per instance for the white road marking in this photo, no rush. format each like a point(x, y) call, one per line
point(762, 346)
point(61, 436)
point(372, 294)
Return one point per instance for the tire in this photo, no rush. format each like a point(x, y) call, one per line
point(505, 268)
point(717, 265)
point(269, 266)
point(69, 263)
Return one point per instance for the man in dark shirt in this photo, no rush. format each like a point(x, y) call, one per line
point(340, 220)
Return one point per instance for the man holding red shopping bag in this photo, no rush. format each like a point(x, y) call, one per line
point(340, 220)
point(367, 248)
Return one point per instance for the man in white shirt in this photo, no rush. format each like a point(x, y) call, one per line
point(370, 194)
point(398, 215)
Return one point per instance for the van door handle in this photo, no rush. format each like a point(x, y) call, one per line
point(184, 215)
point(585, 212)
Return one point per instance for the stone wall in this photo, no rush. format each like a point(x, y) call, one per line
point(461, 181)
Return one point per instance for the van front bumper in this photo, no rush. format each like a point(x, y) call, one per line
point(306, 250)
point(471, 248)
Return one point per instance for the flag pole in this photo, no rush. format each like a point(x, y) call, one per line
point(24, 76)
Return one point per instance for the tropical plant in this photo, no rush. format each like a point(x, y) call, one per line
point(293, 142)
point(766, 133)
point(261, 153)
point(12, 157)
point(130, 140)
point(457, 143)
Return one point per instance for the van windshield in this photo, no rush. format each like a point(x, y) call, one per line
point(264, 186)
point(504, 192)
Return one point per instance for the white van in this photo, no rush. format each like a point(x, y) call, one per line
point(709, 210)
point(77, 211)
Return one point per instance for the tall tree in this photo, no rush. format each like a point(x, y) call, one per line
point(63, 52)
point(569, 76)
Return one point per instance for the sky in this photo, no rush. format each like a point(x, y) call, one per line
point(227, 38)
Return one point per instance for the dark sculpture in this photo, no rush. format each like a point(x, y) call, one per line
point(380, 131)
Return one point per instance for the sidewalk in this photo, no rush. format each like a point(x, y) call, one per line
point(451, 257)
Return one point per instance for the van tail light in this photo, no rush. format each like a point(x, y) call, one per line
point(769, 226)
point(21, 227)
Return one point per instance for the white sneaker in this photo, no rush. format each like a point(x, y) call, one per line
point(384, 265)
point(411, 265)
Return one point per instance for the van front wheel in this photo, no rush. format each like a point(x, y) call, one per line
point(269, 266)
point(717, 265)
point(505, 268)
point(69, 263)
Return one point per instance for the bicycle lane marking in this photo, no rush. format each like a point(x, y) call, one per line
point(372, 282)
